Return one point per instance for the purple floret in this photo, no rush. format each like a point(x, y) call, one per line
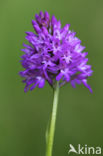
point(53, 54)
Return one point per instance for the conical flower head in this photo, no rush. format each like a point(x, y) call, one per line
point(53, 54)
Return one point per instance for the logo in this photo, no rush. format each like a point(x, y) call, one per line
point(84, 150)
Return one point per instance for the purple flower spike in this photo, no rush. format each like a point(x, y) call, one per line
point(53, 54)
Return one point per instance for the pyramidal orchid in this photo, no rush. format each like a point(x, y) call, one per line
point(54, 54)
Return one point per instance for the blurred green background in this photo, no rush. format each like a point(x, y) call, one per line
point(24, 116)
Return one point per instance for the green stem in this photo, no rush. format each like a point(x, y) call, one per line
point(51, 132)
